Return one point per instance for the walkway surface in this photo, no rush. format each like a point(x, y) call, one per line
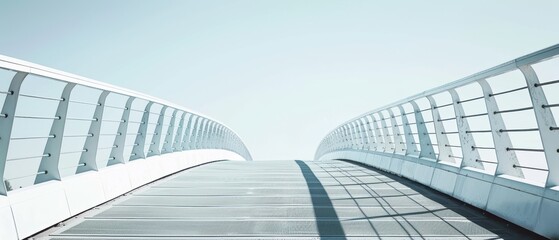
point(284, 200)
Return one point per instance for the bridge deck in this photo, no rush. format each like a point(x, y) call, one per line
point(287, 199)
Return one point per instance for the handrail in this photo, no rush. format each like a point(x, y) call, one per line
point(347, 136)
point(194, 130)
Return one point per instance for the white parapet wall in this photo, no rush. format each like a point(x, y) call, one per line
point(26, 211)
point(530, 206)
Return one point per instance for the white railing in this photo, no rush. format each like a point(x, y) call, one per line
point(490, 139)
point(57, 129)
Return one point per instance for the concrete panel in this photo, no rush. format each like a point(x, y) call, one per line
point(516, 206)
point(423, 173)
point(83, 191)
point(547, 222)
point(444, 181)
point(7, 225)
point(38, 207)
point(144, 171)
point(115, 180)
point(408, 169)
point(384, 162)
point(472, 190)
point(396, 165)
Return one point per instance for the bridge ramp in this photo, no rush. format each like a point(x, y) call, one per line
point(285, 200)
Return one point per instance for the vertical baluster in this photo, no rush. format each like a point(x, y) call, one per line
point(117, 153)
point(546, 123)
point(88, 159)
point(469, 154)
point(49, 163)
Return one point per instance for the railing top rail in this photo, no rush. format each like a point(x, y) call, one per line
point(10, 63)
point(535, 57)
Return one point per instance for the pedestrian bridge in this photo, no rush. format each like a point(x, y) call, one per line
point(477, 158)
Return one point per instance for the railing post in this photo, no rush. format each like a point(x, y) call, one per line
point(427, 150)
point(354, 135)
point(177, 142)
point(399, 146)
point(411, 148)
point(49, 163)
point(117, 153)
point(372, 138)
point(385, 135)
point(88, 159)
point(138, 151)
point(187, 133)
point(196, 132)
point(380, 140)
point(156, 138)
point(445, 152)
point(7, 123)
point(501, 140)
point(470, 155)
point(546, 123)
point(364, 137)
point(168, 143)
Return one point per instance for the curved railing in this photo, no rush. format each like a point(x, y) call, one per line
point(59, 127)
point(490, 139)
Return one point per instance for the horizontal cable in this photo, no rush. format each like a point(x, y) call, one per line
point(85, 103)
point(525, 149)
point(85, 135)
point(444, 105)
point(550, 105)
point(483, 161)
point(110, 134)
point(111, 147)
point(474, 115)
point(423, 110)
point(70, 152)
point(509, 91)
point(449, 132)
point(7, 93)
point(446, 119)
point(513, 110)
point(471, 99)
point(39, 117)
point(487, 148)
point(452, 156)
point(41, 97)
point(136, 122)
point(136, 110)
point(30, 175)
point(33, 137)
point(479, 131)
point(83, 119)
point(410, 123)
point(115, 107)
point(526, 167)
point(546, 83)
point(31, 157)
point(112, 120)
point(453, 146)
point(519, 130)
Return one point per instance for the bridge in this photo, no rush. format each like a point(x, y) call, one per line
point(477, 158)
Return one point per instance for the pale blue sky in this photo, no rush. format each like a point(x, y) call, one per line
point(280, 73)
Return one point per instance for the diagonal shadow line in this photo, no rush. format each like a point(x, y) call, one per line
point(319, 197)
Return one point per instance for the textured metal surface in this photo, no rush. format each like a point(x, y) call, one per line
point(285, 200)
